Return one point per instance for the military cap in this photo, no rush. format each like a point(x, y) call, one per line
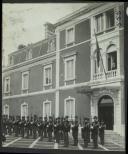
point(95, 117)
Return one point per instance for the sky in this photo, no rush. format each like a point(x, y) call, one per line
point(24, 23)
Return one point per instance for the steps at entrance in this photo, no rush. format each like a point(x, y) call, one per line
point(111, 136)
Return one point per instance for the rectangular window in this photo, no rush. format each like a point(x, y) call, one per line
point(99, 23)
point(110, 19)
point(24, 110)
point(112, 61)
point(70, 36)
point(70, 108)
point(70, 68)
point(6, 110)
point(25, 81)
point(46, 109)
point(7, 85)
point(48, 75)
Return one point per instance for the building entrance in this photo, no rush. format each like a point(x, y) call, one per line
point(106, 111)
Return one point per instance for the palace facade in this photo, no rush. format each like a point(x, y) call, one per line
point(59, 75)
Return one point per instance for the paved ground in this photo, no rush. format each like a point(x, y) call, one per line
point(12, 141)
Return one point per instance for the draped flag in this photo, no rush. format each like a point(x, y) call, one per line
point(99, 57)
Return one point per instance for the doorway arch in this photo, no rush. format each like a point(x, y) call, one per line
point(106, 111)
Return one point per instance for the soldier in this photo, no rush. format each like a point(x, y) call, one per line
point(86, 129)
point(66, 129)
point(102, 127)
point(10, 125)
point(61, 128)
point(16, 126)
point(58, 130)
point(50, 129)
point(55, 130)
point(41, 129)
point(35, 128)
point(94, 129)
point(39, 126)
point(27, 127)
point(31, 126)
point(74, 127)
point(45, 127)
point(22, 126)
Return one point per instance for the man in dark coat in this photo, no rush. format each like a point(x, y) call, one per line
point(27, 127)
point(66, 130)
point(94, 130)
point(86, 129)
point(35, 128)
point(102, 127)
point(75, 126)
point(45, 127)
point(50, 129)
point(22, 126)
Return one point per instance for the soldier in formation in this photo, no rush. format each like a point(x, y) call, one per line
point(54, 128)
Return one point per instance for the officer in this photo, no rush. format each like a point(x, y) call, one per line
point(94, 130)
point(61, 128)
point(58, 130)
point(66, 129)
point(27, 126)
point(31, 126)
point(35, 127)
point(86, 129)
point(55, 129)
point(102, 127)
point(22, 126)
point(17, 126)
point(41, 129)
point(45, 127)
point(50, 129)
point(39, 126)
point(74, 127)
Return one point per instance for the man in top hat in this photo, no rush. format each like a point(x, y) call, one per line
point(86, 129)
point(75, 126)
point(102, 127)
point(94, 130)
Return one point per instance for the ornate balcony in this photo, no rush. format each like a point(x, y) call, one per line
point(109, 74)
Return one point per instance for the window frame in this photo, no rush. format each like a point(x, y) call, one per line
point(45, 102)
point(25, 89)
point(6, 78)
point(66, 59)
point(65, 111)
point(22, 109)
point(44, 74)
point(73, 41)
point(6, 105)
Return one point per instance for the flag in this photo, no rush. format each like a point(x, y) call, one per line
point(99, 55)
point(97, 51)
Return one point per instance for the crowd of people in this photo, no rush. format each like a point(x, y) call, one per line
point(56, 129)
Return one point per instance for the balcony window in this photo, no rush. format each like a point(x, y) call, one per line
point(110, 19)
point(112, 58)
point(96, 68)
point(99, 23)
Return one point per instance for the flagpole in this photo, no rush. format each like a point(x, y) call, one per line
point(100, 55)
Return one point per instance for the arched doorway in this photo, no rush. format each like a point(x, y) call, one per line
point(106, 111)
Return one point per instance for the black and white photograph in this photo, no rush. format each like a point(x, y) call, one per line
point(63, 84)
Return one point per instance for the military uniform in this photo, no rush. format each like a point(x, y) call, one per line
point(31, 126)
point(22, 126)
point(75, 127)
point(66, 129)
point(50, 129)
point(94, 129)
point(86, 129)
point(34, 129)
point(45, 127)
point(27, 127)
point(102, 127)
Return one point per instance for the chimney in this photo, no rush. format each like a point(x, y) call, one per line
point(49, 30)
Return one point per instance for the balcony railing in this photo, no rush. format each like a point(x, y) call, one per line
point(109, 74)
